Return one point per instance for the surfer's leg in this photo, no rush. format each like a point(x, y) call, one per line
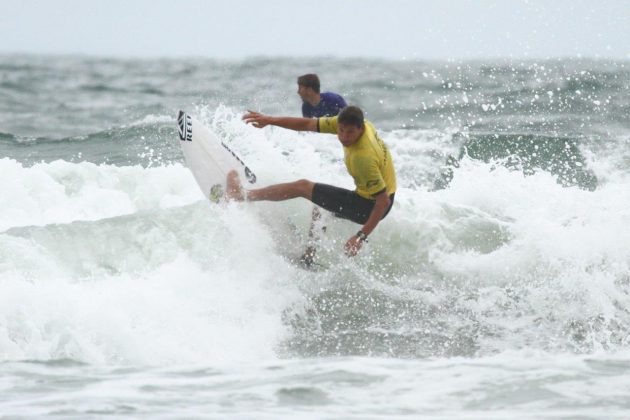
point(279, 192)
point(314, 235)
point(315, 217)
point(309, 254)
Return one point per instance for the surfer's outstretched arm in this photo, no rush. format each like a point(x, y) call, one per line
point(292, 123)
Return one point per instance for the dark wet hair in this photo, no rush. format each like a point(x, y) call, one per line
point(351, 115)
point(309, 80)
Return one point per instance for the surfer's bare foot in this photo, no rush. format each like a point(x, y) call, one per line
point(308, 257)
point(234, 189)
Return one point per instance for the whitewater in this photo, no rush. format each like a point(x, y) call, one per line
point(498, 286)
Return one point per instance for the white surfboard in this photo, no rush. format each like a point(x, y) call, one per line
point(208, 158)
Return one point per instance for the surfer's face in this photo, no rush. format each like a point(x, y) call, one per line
point(304, 92)
point(348, 134)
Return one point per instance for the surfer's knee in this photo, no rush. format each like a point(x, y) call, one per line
point(305, 187)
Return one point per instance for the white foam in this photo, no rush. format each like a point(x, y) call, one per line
point(152, 119)
point(181, 304)
point(62, 192)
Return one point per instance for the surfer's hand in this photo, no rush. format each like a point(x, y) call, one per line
point(256, 119)
point(353, 246)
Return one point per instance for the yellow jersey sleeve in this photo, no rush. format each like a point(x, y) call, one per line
point(327, 125)
point(367, 176)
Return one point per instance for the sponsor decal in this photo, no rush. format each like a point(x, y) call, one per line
point(251, 177)
point(184, 123)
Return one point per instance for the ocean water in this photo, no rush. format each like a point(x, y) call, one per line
point(498, 286)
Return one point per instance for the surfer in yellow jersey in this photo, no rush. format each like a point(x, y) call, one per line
point(367, 160)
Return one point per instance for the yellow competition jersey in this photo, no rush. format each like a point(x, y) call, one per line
point(368, 160)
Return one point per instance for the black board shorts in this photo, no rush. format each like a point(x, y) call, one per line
point(344, 203)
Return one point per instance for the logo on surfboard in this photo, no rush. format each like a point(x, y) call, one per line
point(251, 177)
point(185, 126)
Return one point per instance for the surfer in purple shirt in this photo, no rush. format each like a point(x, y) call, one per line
point(316, 104)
